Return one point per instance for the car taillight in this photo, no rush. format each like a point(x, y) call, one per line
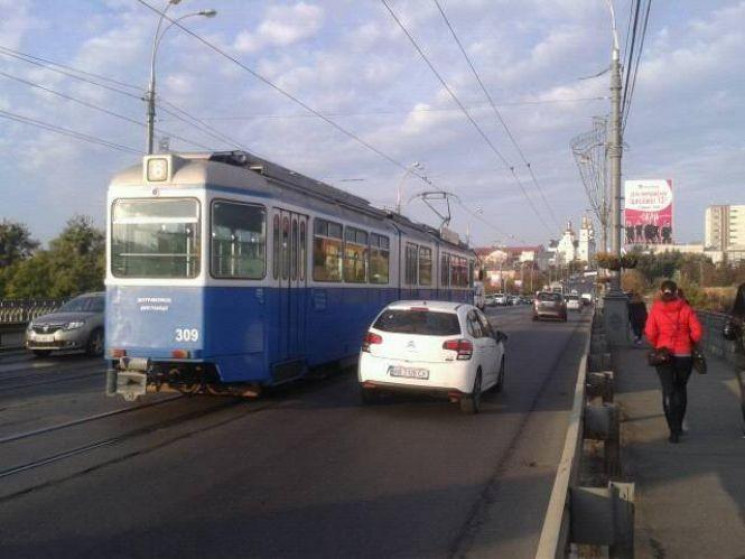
point(371, 338)
point(463, 347)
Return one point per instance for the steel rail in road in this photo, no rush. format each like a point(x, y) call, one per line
point(5, 385)
point(82, 420)
point(555, 532)
point(83, 449)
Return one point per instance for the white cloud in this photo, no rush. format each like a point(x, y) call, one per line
point(282, 26)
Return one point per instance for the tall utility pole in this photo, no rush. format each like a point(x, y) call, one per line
point(615, 149)
point(615, 303)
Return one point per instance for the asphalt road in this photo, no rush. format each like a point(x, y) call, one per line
point(305, 472)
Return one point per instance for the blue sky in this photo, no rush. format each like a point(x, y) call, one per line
point(350, 60)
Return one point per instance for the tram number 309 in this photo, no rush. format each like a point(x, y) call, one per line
point(186, 334)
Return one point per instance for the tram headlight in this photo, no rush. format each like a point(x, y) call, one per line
point(74, 324)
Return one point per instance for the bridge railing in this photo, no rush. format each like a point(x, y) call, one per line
point(598, 516)
point(15, 314)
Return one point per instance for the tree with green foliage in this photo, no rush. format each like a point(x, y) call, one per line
point(16, 243)
point(16, 246)
point(74, 263)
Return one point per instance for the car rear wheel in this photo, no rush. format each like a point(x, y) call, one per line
point(41, 352)
point(471, 403)
point(500, 377)
point(94, 347)
point(368, 396)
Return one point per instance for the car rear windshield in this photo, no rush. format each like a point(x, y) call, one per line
point(549, 297)
point(425, 323)
point(572, 297)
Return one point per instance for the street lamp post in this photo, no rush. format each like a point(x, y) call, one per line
point(150, 95)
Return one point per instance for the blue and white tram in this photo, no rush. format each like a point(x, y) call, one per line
point(227, 273)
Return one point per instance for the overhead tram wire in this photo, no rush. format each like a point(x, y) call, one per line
point(278, 89)
point(467, 114)
point(407, 111)
point(498, 114)
point(96, 107)
point(67, 132)
point(45, 62)
point(627, 106)
point(72, 72)
point(630, 57)
point(291, 97)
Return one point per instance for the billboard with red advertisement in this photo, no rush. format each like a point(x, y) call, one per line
point(648, 212)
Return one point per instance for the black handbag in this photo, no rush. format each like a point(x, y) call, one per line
point(699, 361)
point(659, 357)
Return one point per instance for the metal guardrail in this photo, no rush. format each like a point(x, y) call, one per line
point(590, 516)
point(15, 314)
point(21, 311)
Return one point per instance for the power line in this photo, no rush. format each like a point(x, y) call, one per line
point(392, 112)
point(627, 106)
point(293, 98)
point(67, 132)
point(51, 66)
point(94, 107)
point(466, 113)
point(497, 113)
point(72, 72)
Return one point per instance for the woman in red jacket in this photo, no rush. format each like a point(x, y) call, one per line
point(673, 324)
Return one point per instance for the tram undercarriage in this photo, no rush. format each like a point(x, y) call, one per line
point(132, 378)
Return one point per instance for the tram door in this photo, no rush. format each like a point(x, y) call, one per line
point(290, 262)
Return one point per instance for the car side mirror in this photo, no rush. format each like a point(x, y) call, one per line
point(501, 336)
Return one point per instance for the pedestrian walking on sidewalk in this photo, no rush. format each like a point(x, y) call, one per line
point(637, 316)
point(673, 324)
point(733, 331)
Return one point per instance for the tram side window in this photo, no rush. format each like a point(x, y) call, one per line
point(277, 247)
point(238, 241)
point(302, 251)
point(458, 277)
point(380, 254)
point(355, 255)
point(425, 266)
point(445, 270)
point(155, 238)
point(327, 251)
point(412, 263)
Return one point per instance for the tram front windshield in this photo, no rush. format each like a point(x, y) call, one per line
point(157, 238)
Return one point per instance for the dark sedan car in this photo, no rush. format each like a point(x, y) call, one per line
point(78, 324)
point(549, 304)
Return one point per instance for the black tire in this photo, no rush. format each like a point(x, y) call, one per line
point(500, 377)
point(94, 347)
point(368, 396)
point(41, 352)
point(470, 404)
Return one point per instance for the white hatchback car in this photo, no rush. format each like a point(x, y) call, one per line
point(436, 347)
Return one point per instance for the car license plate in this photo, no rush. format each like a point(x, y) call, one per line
point(44, 338)
point(409, 372)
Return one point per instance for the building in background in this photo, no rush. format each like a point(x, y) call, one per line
point(648, 212)
point(566, 248)
point(586, 246)
point(724, 228)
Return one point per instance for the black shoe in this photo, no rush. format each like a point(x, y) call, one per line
point(674, 438)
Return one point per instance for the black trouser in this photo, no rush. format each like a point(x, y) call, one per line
point(637, 328)
point(674, 378)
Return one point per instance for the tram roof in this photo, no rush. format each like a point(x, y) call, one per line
point(301, 184)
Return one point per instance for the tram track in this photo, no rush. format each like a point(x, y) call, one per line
point(80, 450)
point(51, 458)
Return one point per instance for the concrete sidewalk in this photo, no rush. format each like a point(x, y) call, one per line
point(690, 497)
